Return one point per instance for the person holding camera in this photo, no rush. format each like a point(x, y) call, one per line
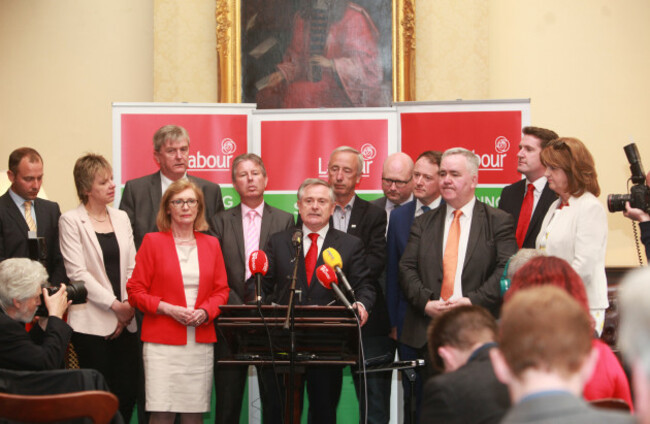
point(98, 249)
point(575, 226)
point(43, 348)
point(643, 218)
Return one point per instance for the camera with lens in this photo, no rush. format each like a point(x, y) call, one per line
point(639, 196)
point(76, 291)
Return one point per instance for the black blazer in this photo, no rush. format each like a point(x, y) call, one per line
point(227, 226)
point(471, 394)
point(34, 351)
point(13, 234)
point(141, 200)
point(281, 252)
point(511, 199)
point(490, 245)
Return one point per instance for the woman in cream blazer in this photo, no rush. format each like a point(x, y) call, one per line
point(575, 226)
point(97, 246)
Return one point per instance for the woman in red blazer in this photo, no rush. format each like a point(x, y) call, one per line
point(179, 282)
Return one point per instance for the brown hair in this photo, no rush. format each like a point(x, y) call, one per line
point(433, 156)
point(571, 155)
point(243, 157)
point(164, 221)
point(546, 329)
point(86, 168)
point(462, 328)
point(545, 136)
point(17, 155)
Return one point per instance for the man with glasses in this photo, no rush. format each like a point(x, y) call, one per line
point(396, 182)
point(360, 218)
point(141, 196)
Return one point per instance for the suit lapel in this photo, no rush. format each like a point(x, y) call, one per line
point(438, 222)
point(15, 213)
point(519, 192)
point(155, 193)
point(238, 230)
point(90, 232)
point(475, 231)
point(547, 197)
point(358, 211)
point(267, 221)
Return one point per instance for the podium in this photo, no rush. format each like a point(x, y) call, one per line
point(323, 335)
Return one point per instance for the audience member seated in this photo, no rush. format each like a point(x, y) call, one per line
point(460, 341)
point(43, 348)
point(545, 356)
point(634, 336)
point(608, 379)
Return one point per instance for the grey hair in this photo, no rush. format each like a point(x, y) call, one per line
point(520, 258)
point(169, 133)
point(315, 181)
point(634, 328)
point(20, 279)
point(472, 158)
point(350, 150)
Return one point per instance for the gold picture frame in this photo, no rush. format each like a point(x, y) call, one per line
point(228, 28)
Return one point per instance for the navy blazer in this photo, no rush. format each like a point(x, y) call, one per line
point(13, 234)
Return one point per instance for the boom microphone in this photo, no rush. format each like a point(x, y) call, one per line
point(258, 264)
point(327, 278)
point(332, 258)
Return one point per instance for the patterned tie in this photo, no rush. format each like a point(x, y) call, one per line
point(252, 241)
point(425, 208)
point(28, 216)
point(312, 255)
point(450, 258)
point(525, 214)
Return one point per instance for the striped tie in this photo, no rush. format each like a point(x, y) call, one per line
point(252, 241)
point(28, 216)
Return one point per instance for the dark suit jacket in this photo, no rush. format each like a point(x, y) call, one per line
point(471, 394)
point(511, 199)
point(34, 351)
point(645, 237)
point(490, 245)
point(281, 252)
point(141, 200)
point(561, 408)
point(381, 203)
point(13, 234)
point(227, 226)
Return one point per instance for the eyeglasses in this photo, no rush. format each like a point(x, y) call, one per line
point(179, 203)
point(398, 183)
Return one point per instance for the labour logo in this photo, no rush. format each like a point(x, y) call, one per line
point(228, 146)
point(501, 144)
point(368, 151)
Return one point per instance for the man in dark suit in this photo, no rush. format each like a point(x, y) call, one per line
point(43, 348)
point(360, 218)
point(460, 341)
point(25, 218)
point(514, 197)
point(242, 230)
point(545, 362)
point(315, 206)
point(141, 196)
point(455, 254)
point(396, 182)
point(426, 191)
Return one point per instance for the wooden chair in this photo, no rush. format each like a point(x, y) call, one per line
point(97, 405)
point(611, 403)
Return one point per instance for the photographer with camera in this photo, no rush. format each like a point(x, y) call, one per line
point(643, 217)
point(43, 348)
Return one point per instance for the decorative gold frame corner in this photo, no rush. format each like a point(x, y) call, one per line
point(228, 18)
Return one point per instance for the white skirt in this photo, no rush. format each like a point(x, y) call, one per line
point(178, 378)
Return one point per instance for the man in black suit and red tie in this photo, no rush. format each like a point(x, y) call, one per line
point(528, 199)
point(315, 206)
point(455, 254)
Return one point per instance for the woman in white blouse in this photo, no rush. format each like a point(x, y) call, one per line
point(575, 226)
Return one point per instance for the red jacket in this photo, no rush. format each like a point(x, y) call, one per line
point(157, 276)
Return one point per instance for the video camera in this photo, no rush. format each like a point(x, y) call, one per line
point(76, 291)
point(639, 196)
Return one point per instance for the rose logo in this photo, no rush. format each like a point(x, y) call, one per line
point(228, 146)
point(368, 151)
point(501, 144)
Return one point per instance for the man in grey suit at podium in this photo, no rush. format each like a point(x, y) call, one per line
point(242, 230)
point(141, 196)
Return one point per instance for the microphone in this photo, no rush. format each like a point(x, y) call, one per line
point(296, 239)
point(332, 258)
point(258, 264)
point(327, 278)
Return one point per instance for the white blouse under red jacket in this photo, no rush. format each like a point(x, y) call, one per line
point(577, 233)
point(157, 277)
point(84, 261)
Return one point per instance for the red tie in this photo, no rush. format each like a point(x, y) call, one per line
point(525, 214)
point(450, 257)
point(312, 255)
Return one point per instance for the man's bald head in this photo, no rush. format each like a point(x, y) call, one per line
point(397, 177)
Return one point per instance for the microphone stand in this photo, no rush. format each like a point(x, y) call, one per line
point(289, 324)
